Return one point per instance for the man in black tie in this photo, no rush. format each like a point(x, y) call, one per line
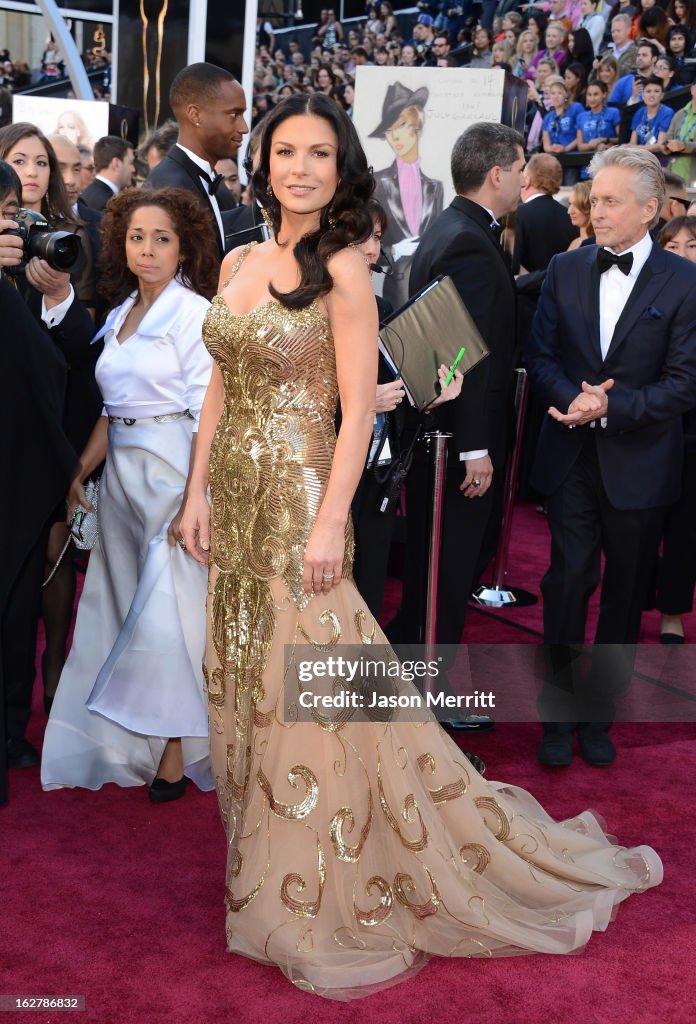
point(209, 104)
point(114, 162)
point(464, 243)
point(613, 358)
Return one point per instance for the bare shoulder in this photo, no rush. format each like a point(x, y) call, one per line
point(348, 266)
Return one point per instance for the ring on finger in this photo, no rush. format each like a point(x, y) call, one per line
point(182, 543)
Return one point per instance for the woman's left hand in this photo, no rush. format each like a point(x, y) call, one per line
point(323, 561)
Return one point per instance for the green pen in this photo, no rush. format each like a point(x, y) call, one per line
point(455, 364)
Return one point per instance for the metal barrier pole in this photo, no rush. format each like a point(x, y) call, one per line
point(496, 594)
point(436, 442)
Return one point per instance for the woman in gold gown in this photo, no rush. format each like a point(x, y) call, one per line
point(356, 849)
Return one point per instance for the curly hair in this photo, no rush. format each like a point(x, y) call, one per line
point(55, 205)
point(193, 227)
point(344, 221)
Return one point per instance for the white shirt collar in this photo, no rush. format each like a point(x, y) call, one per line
point(114, 188)
point(495, 223)
point(535, 196)
point(198, 160)
point(158, 319)
point(641, 251)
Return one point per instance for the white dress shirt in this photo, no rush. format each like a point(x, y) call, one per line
point(164, 366)
point(205, 166)
point(615, 288)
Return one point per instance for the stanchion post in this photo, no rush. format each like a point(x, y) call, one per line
point(496, 594)
point(436, 442)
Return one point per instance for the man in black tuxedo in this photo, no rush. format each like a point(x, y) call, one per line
point(613, 358)
point(464, 243)
point(114, 162)
point(542, 225)
point(209, 104)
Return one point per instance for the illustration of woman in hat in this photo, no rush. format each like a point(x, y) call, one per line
point(411, 200)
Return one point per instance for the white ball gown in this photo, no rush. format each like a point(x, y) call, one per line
point(133, 677)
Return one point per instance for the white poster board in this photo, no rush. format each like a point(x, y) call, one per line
point(408, 120)
point(80, 121)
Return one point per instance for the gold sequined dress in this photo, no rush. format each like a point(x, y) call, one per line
point(355, 850)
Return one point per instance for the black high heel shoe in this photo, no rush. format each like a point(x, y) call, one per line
point(161, 791)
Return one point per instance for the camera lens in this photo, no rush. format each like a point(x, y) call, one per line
point(60, 249)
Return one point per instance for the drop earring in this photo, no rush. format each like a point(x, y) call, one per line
point(269, 190)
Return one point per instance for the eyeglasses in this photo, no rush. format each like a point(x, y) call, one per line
point(686, 203)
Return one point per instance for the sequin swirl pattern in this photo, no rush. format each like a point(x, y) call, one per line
point(269, 465)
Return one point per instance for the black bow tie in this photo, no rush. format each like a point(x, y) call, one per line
point(213, 183)
point(606, 260)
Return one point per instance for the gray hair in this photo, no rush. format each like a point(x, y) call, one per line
point(479, 148)
point(622, 17)
point(648, 176)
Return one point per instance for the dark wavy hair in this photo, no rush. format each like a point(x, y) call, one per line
point(345, 221)
point(55, 205)
point(192, 224)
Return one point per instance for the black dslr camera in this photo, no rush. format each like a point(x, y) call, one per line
point(61, 249)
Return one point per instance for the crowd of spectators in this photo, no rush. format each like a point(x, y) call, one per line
point(17, 75)
point(560, 47)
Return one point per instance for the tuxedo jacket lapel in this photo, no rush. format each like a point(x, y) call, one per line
point(591, 308)
point(194, 172)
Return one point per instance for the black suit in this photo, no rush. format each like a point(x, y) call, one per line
point(396, 285)
point(462, 244)
point(608, 486)
point(96, 196)
point(373, 528)
point(542, 229)
point(177, 170)
point(39, 467)
point(244, 224)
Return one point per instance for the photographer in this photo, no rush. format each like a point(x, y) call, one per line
point(60, 302)
point(44, 461)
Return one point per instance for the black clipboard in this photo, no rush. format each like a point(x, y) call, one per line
point(427, 331)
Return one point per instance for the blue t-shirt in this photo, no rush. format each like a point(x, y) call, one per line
point(598, 126)
point(621, 93)
point(563, 129)
point(648, 130)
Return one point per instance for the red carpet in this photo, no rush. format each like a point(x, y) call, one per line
point(108, 897)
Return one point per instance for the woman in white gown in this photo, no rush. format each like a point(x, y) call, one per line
point(131, 705)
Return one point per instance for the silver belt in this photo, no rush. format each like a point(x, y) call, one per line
point(168, 417)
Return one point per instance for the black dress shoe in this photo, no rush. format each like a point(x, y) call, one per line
point(21, 753)
point(472, 723)
point(161, 791)
point(597, 748)
point(671, 638)
point(556, 749)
